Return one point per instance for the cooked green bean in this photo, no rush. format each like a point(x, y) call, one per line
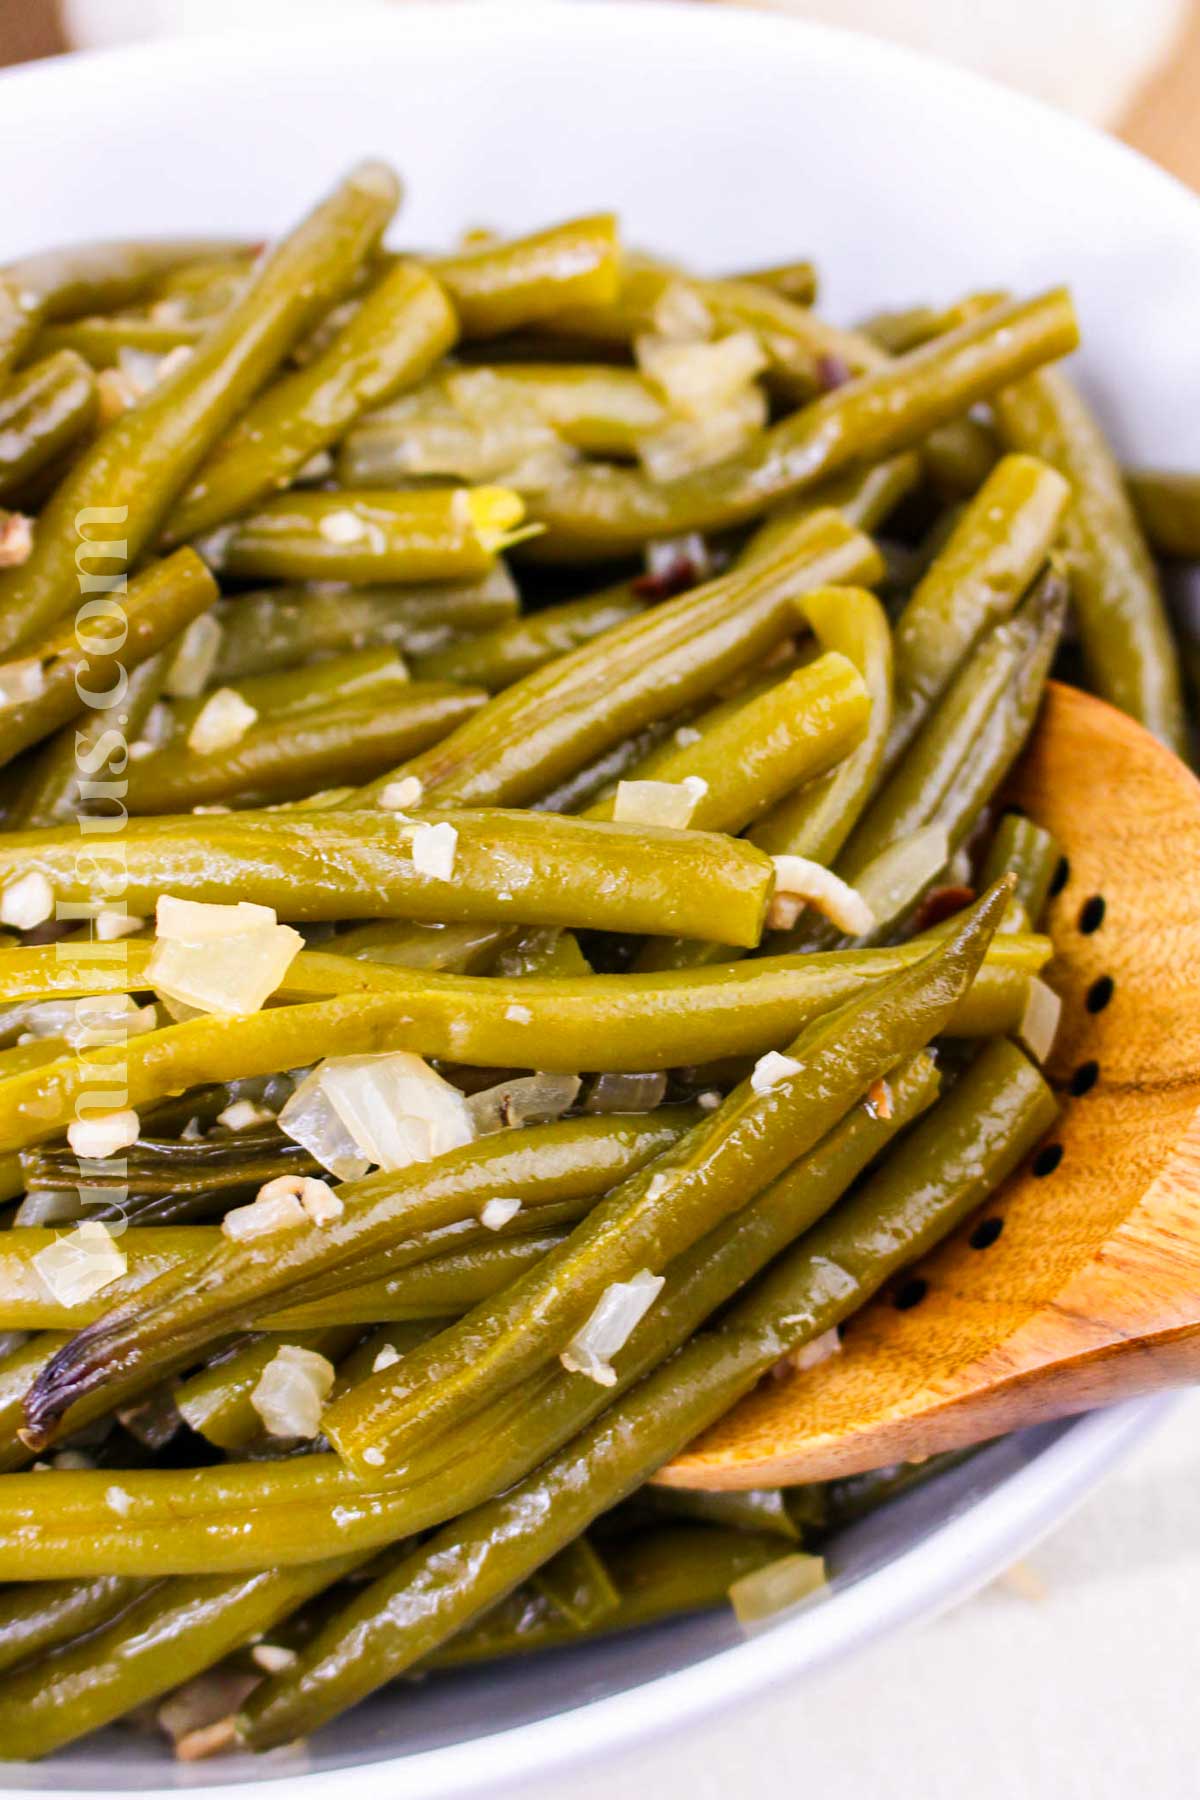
point(796, 280)
point(650, 1218)
point(218, 1401)
point(160, 1641)
point(507, 866)
point(181, 1523)
point(283, 693)
point(370, 535)
point(497, 658)
point(1123, 625)
point(40, 1617)
point(133, 471)
point(553, 722)
point(402, 327)
point(43, 410)
point(52, 790)
point(1168, 510)
point(341, 743)
point(283, 626)
point(996, 548)
point(961, 1151)
point(1030, 853)
point(502, 286)
point(102, 276)
point(578, 1586)
point(605, 512)
point(86, 661)
point(104, 340)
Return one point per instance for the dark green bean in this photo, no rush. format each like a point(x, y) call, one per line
point(43, 411)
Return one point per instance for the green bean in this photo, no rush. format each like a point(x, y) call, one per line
point(762, 1510)
point(449, 949)
point(40, 1617)
point(578, 1586)
point(502, 286)
point(370, 535)
point(908, 329)
point(744, 1146)
point(404, 324)
point(657, 1574)
point(217, 1402)
point(172, 1171)
point(959, 457)
point(18, 323)
point(1027, 851)
point(853, 1497)
point(103, 340)
point(865, 497)
point(52, 791)
point(760, 748)
point(961, 1151)
point(86, 660)
point(497, 658)
point(604, 512)
point(281, 627)
point(993, 553)
point(340, 743)
point(18, 1371)
point(1168, 510)
point(643, 1022)
point(163, 1639)
point(938, 780)
point(43, 411)
point(555, 721)
point(134, 469)
point(181, 1521)
point(506, 866)
point(1123, 626)
point(284, 693)
point(817, 819)
point(796, 281)
point(225, 1285)
point(102, 276)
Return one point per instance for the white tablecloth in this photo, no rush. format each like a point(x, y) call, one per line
point(1075, 1678)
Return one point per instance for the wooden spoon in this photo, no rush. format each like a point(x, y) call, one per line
point(1079, 1283)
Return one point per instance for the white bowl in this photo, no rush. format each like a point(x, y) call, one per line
point(726, 138)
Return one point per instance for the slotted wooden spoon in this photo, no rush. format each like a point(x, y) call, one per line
point(1080, 1281)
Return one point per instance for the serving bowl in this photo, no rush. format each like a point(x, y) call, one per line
point(722, 138)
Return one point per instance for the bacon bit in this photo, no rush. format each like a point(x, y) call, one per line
point(677, 578)
point(879, 1099)
point(941, 903)
point(832, 371)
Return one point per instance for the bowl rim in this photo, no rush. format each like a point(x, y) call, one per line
point(962, 1554)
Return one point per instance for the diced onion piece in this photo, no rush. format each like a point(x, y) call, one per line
point(398, 795)
point(16, 539)
point(696, 379)
point(222, 722)
point(243, 1115)
point(112, 924)
point(319, 1201)
point(681, 315)
point(219, 959)
point(659, 1184)
point(497, 1213)
point(777, 1585)
point(771, 1069)
point(615, 1093)
point(273, 1658)
point(27, 901)
point(263, 1218)
point(669, 803)
point(22, 681)
point(797, 878)
point(621, 1306)
point(291, 1392)
point(77, 1267)
point(1039, 1021)
point(195, 659)
point(709, 1100)
point(90, 1019)
point(343, 527)
point(519, 1015)
point(895, 880)
point(195, 919)
point(396, 1109)
point(309, 1119)
point(686, 736)
point(103, 1136)
point(817, 1351)
point(434, 848)
point(526, 1100)
point(384, 1358)
point(683, 446)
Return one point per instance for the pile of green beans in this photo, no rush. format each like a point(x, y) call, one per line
point(611, 674)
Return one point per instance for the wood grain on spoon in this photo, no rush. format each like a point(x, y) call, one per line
point(1091, 1291)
